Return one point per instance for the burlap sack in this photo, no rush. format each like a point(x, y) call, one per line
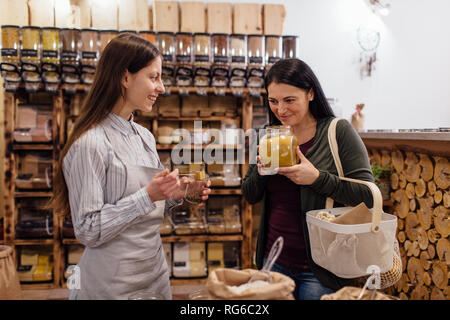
point(9, 280)
point(220, 280)
point(352, 293)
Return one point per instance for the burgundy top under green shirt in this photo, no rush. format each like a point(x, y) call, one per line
point(284, 219)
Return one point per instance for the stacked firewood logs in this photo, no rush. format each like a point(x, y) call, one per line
point(420, 198)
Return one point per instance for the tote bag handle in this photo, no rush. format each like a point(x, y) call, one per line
point(377, 198)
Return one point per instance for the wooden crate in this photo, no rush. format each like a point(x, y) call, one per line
point(219, 17)
point(247, 18)
point(41, 13)
point(104, 14)
point(17, 13)
point(165, 16)
point(273, 18)
point(133, 15)
point(193, 17)
point(76, 14)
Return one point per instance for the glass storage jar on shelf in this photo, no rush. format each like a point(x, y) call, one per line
point(189, 260)
point(33, 123)
point(166, 45)
point(90, 51)
point(105, 37)
point(184, 59)
point(50, 58)
point(277, 149)
point(202, 61)
point(274, 45)
point(34, 170)
point(290, 47)
point(221, 61)
point(10, 57)
point(30, 57)
point(255, 75)
point(238, 48)
point(70, 57)
point(149, 35)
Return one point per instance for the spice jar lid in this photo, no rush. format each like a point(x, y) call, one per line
point(290, 36)
point(127, 31)
point(273, 36)
point(147, 32)
point(108, 31)
point(220, 34)
point(71, 29)
point(184, 33)
point(10, 26)
point(255, 35)
point(166, 32)
point(31, 27)
point(88, 29)
point(201, 34)
point(50, 28)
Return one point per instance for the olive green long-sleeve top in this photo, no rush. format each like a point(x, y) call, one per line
point(355, 164)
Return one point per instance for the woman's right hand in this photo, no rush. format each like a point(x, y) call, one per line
point(163, 185)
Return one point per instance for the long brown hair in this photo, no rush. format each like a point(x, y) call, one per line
point(125, 52)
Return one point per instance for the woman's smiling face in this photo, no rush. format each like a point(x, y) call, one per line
point(289, 103)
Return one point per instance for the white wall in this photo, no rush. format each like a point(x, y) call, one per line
point(410, 87)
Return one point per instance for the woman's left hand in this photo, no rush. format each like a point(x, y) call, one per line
point(303, 173)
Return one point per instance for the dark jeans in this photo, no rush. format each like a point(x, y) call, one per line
point(307, 286)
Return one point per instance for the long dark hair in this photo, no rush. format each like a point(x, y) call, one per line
point(125, 52)
point(297, 73)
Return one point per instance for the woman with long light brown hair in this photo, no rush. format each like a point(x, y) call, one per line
point(111, 176)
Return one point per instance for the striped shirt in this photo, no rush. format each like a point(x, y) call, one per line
point(96, 180)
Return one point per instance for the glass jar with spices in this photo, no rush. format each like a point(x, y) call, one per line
point(149, 35)
point(290, 47)
point(10, 53)
point(50, 58)
point(70, 54)
point(166, 45)
point(90, 50)
point(221, 59)
point(202, 59)
point(105, 37)
point(184, 58)
point(238, 48)
point(274, 46)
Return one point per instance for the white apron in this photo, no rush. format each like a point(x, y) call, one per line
point(134, 260)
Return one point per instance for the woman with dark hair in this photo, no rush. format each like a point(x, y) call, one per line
point(296, 99)
point(110, 174)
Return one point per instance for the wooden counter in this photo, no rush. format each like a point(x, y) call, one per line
point(433, 143)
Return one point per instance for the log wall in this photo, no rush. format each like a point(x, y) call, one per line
point(420, 199)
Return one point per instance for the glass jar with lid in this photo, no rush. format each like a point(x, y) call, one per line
point(166, 45)
point(30, 49)
point(70, 56)
point(10, 56)
point(50, 45)
point(238, 51)
point(273, 46)
point(90, 51)
point(149, 35)
point(221, 59)
point(105, 37)
point(255, 50)
point(10, 45)
point(184, 58)
point(202, 59)
point(277, 149)
point(290, 47)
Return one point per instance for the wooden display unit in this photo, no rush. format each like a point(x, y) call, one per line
point(62, 104)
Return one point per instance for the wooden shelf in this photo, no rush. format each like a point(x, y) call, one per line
point(27, 146)
point(202, 238)
point(33, 242)
point(70, 241)
point(37, 286)
point(197, 147)
point(33, 194)
point(187, 281)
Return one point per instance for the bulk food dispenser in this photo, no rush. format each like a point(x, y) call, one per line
point(10, 57)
